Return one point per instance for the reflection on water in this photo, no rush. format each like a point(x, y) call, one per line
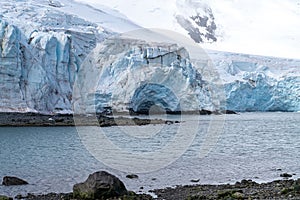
point(251, 145)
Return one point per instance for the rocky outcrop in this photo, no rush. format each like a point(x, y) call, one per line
point(99, 185)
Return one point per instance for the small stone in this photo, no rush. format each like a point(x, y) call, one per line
point(238, 195)
point(132, 176)
point(286, 175)
point(195, 180)
point(169, 122)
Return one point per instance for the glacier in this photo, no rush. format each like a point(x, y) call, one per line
point(39, 59)
point(257, 83)
point(53, 61)
point(125, 74)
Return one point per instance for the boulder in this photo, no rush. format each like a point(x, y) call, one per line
point(11, 180)
point(99, 185)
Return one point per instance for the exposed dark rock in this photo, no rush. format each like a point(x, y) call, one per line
point(11, 180)
point(195, 180)
point(100, 185)
point(205, 112)
point(229, 112)
point(286, 175)
point(169, 122)
point(132, 176)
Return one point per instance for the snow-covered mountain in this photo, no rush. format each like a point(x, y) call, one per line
point(48, 47)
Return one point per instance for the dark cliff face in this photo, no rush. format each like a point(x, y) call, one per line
point(200, 24)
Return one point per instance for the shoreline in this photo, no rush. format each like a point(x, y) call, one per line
point(32, 119)
point(47, 120)
point(245, 189)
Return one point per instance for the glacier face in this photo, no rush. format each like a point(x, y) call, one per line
point(125, 74)
point(42, 60)
point(38, 67)
point(256, 83)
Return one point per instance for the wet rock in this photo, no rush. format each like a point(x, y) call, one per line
point(132, 176)
point(169, 122)
point(99, 185)
point(238, 195)
point(195, 180)
point(228, 112)
point(286, 175)
point(11, 180)
point(5, 198)
point(228, 194)
point(205, 112)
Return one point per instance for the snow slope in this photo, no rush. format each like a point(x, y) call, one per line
point(269, 27)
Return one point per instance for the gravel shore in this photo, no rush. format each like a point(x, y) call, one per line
point(36, 119)
point(245, 189)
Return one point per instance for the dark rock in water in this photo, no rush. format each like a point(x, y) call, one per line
point(169, 122)
point(99, 185)
point(5, 198)
point(10, 180)
point(205, 112)
point(228, 112)
point(248, 182)
point(195, 180)
point(286, 175)
point(132, 176)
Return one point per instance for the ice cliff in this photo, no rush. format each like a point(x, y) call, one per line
point(46, 50)
point(257, 83)
point(124, 74)
point(41, 50)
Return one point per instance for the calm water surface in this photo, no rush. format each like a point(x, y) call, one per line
point(251, 145)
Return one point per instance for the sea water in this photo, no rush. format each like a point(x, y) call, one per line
point(224, 149)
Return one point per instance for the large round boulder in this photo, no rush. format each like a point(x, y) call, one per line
point(99, 185)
